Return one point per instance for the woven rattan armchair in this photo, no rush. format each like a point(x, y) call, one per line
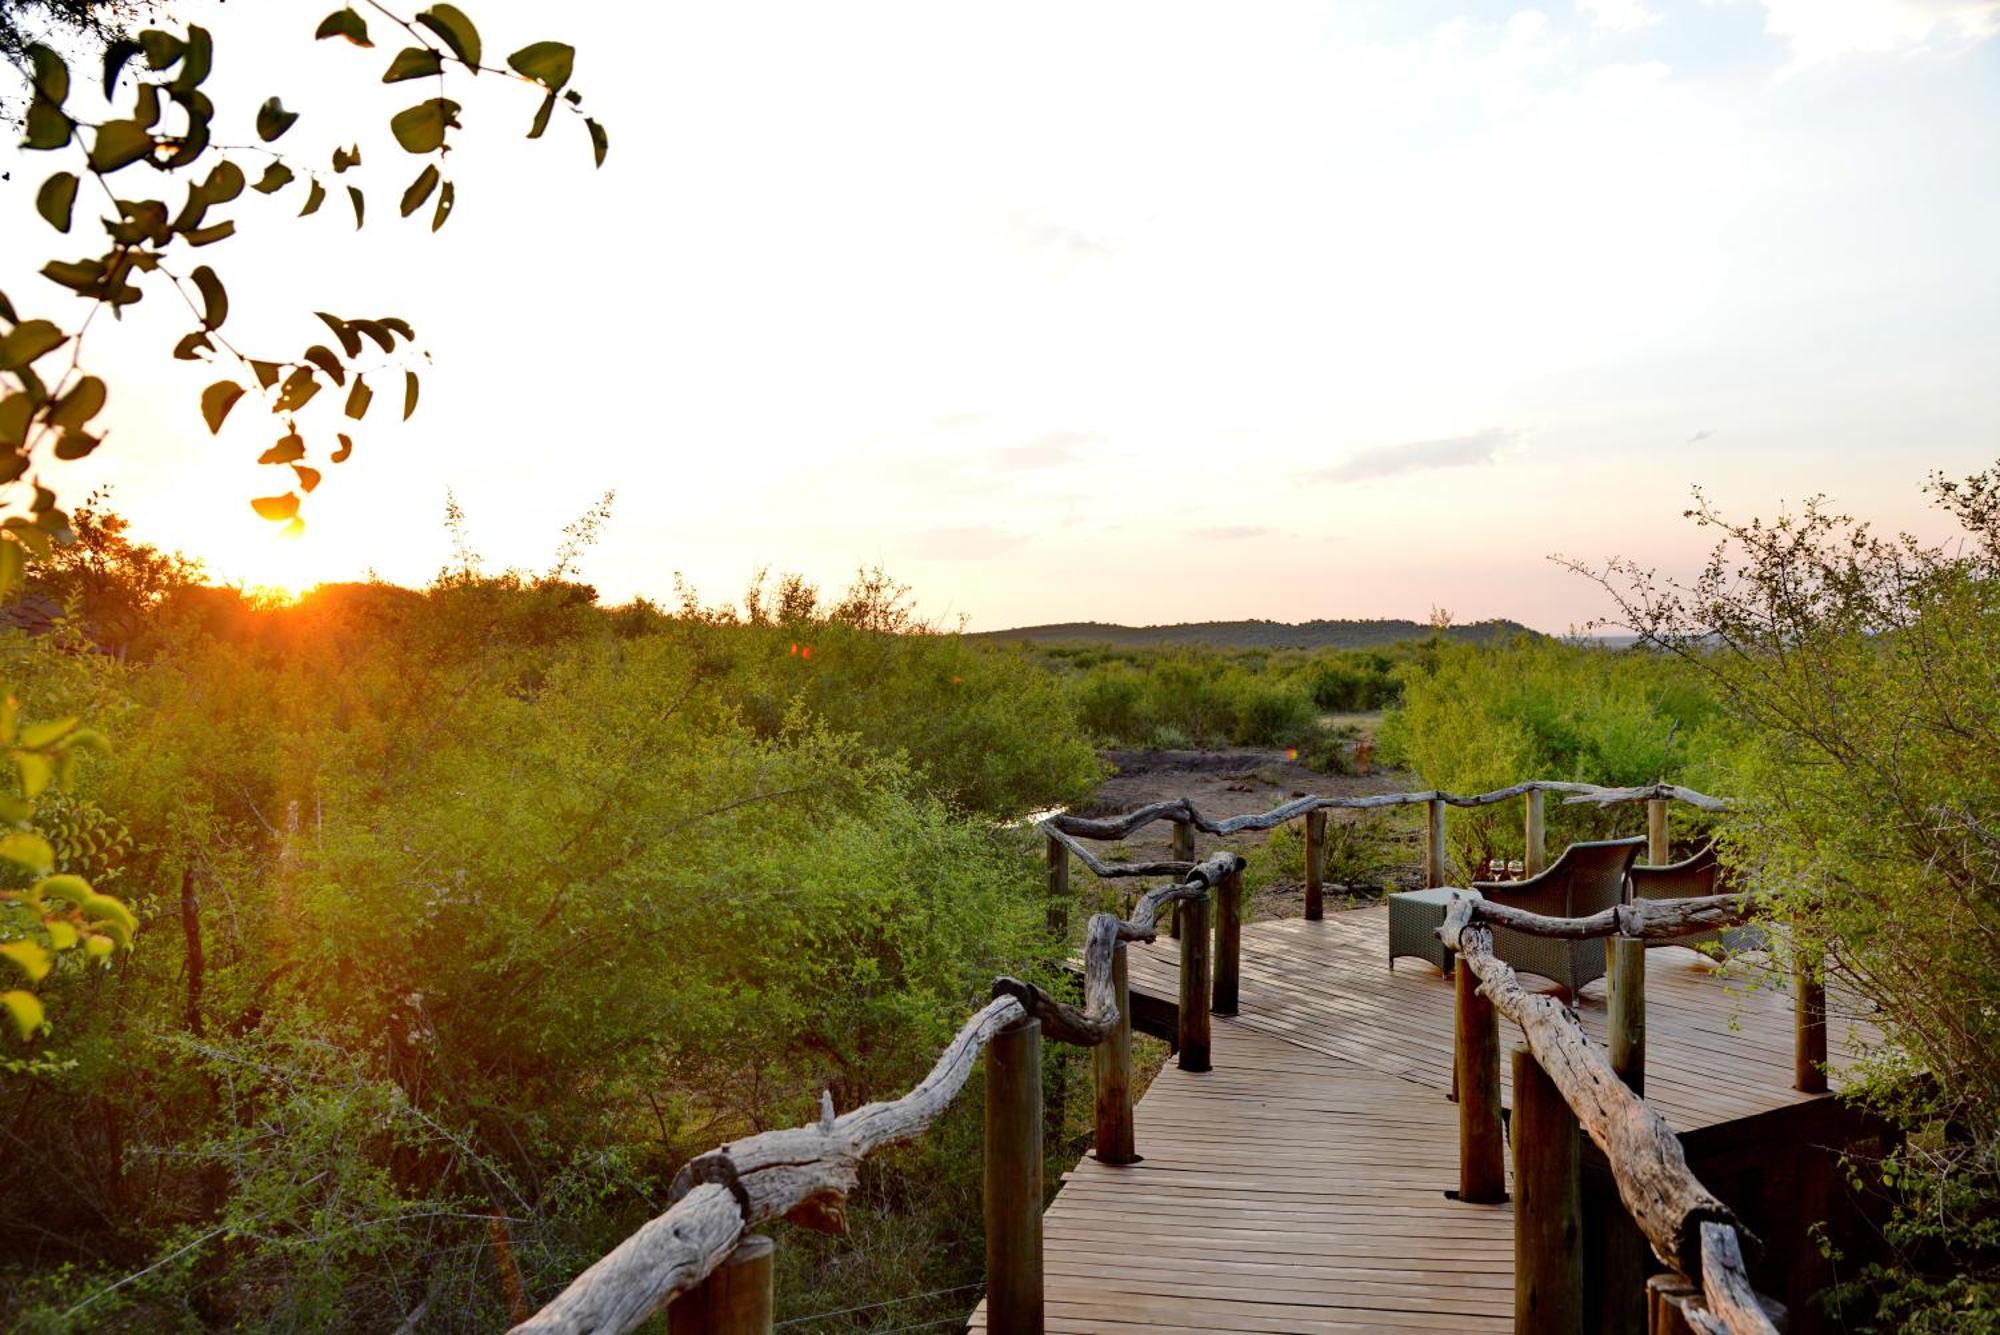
point(1588, 878)
point(1692, 878)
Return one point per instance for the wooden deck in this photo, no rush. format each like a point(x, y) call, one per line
point(1300, 1185)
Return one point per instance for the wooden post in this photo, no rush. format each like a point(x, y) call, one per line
point(1058, 906)
point(1194, 984)
point(1434, 845)
point(1622, 1250)
point(1625, 1012)
point(1482, 1162)
point(1112, 1060)
point(1537, 855)
point(1548, 1206)
point(1656, 831)
point(1014, 1179)
point(1808, 1024)
point(1670, 1297)
point(1183, 852)
point(1228, 944)
point(1315, 865)
point(738, 1297)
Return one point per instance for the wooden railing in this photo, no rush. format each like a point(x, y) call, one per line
point(701, 1259)
point(1562, 1082)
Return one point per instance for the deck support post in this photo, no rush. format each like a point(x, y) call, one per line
point(1058, 906)
point(1014, 1180)
point(1228, 944)
point(1315, 865)
point(1656, 831)
point(1434, 845)
point(1193, 1008)
point(1482, 1163)
point(1183, 852)
point(1808, 1023)
point(1548, 1206)
point(1535, 836)
point(1625, 1008)
point(737, 1298)
point(1112, 1062)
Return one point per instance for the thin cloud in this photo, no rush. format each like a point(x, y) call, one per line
point(1699, 436)
point(1051, 449)
point(1481, 447)
point(1618, 15)
point(1233, 532)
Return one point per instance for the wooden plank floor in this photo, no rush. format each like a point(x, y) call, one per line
point(1282, 1191)
point(1718, 1044)
point(1299, 1186)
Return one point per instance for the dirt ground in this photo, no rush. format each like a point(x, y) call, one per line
point(1233, 782)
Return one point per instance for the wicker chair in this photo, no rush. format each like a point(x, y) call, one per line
point(1588, 878)
point(1702, 874)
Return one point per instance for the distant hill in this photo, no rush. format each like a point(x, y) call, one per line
point(1254, 634)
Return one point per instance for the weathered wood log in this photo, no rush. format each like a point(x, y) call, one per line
point(1646, 919)
point(1605, 797)
point(1656, 831)
point(1677, 1305)
point(1548, 1206)
point(1535, 835)
point(1058, 906)
point(1228, 912)
point(1315, 865)
point(1482, 1161)
point(1434, 855)
point(1725, 1285)
point(1111, 1063)
point(1645, 1155)
point(1625, 1007)
point(1110, 870)
point(1099, 1015)
point(801, 1173)
point(738, 1297)
point(1193, 1018)
point(1808, 1024)
point(1014, 1180)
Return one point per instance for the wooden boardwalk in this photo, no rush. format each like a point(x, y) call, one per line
point(1300, 1185)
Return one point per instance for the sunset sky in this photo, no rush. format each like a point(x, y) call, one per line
point(1135, 312)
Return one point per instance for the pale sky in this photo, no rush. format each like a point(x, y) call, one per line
point(1135, 312)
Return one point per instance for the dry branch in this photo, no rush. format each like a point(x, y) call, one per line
point(803, 1173)
point(1646, 919)
point(1663, 1197)
point(1111, 870)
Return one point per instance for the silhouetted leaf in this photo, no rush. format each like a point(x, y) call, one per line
point(116, 56)
point(358, 399)
point(192, 344)
point(162, 48)
point(146, 105)
point(275, 178)
point(542, 114)
point(547, 63)
point(448, 22)
point(77, 275)
point(414, 62)
point(51, 75)
point(119, 144)
point(26, 341)
point(350, 342)
point(399, 325)
point(420, 189)
point(76, 444)
point(343, 158)
point(47, 126)
point(322, 356)
point(224, 183)
point(314, 198)
point(215, 299)
point(209, 235)
point(273, 120)
point(420, 129)
point(344, 23)
point(55, 200)
point(287, 449)
point(297, 391)
point(308, 477)
point(217, 400)
point(339, 456)
point(377, 330)
point(197, 57)
point(447, 199)
point(409, 394)
point(77, 407)
point(360, 205)
point(267, 372)
point(277, 508)
point(600, 142)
